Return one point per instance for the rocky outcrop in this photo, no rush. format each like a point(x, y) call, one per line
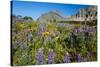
point(88, 14)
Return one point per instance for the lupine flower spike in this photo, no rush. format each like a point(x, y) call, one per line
point(40, 56)
point(51, 57)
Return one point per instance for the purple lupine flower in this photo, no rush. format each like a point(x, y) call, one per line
point(23, 45)
point(78, 58)
point(39, 33)
point(51, 57)
point(40, 56)
point(67, 58)
point(89, 29)
point(30, 36)
point(77, 30)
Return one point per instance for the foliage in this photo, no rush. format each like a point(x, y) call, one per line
point(50, 43)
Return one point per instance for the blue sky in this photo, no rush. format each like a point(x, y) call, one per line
point(36, 9)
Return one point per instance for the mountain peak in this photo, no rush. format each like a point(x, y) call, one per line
point(51, 16)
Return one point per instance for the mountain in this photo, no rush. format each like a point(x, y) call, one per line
point(83, 14)
point(51, 16)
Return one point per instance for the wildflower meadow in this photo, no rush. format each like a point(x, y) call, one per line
point(35, 42)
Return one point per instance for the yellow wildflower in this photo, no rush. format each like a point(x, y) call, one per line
point(57, 37)
point(46, 33)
